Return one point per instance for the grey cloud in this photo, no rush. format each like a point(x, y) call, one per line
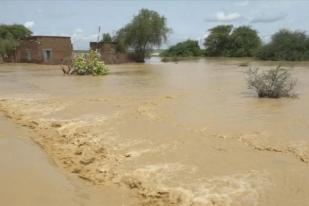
point(268, 18)
point(224, 17)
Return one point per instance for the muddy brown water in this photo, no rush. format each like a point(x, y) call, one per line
point(171, 134)
point(28, 177)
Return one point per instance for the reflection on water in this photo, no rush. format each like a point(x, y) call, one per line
point(191, 131)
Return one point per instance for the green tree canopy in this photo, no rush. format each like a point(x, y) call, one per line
point(224, 40)
point(183, 49)
point(147, 30)
point(286, 45)
point(9, 34)
point(106, 37)
point(217, 43)
point(120, 38)
point(244, 42)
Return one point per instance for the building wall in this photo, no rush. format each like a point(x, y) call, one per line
point(28, 46)
point(60, 50)
point(109, 54)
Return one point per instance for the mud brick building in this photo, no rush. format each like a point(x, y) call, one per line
point(109, 53)
point(44, 50)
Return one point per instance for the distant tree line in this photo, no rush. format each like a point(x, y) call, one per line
point(286, 45)
point(188, 48)
point(148, 30)
point(9, 36)
point(243, 41)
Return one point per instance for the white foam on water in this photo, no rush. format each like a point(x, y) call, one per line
point(230, 190)
point(238, 189)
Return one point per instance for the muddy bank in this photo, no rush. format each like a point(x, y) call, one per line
point(28, 177)
point(168, 136)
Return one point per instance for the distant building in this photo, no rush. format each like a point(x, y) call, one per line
point(109, 53)
point(44, 50)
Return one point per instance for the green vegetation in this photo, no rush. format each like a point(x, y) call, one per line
point(80, 51)
point(244, 64)
point(286, 45)
point(274, 83)
point(188, 48)
point(217, 42)
point(106, 37)
point(9, 36)
point(224, 41)
point(177, 58)
point(147, 30)
point(87, 64)
point(244, 42)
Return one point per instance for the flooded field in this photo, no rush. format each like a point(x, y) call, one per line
point(167, 134)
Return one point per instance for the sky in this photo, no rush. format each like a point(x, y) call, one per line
point(80, 19)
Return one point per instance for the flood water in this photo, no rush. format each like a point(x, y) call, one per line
point(29, 178)
point(187, 133)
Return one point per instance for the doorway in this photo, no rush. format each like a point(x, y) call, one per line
point(47, 55)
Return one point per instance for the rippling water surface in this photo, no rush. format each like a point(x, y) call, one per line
point(189, 133)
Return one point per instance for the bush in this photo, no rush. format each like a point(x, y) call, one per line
point(243, 64)
point(188, 48)
point(87, 64)
point(172, 59)
point(274, 83)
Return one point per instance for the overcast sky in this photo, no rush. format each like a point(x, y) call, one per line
point(188, 19)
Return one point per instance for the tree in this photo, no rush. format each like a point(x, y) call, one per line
point(188, 48)
point(17, 31)
point(217, 43)
point(244, 42)
point(106, 37)
point(286, 45)
point(120, 38)
point(7, 46)
point(223, 40)
point(147, 30)
point(9, 36)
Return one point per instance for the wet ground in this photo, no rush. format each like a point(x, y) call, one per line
point(189, 133)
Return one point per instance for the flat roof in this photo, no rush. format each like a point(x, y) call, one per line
point(45, 36)
point(100, 42)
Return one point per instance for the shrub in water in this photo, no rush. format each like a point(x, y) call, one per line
point(86, 64)
point(274, 83)
point(244, 64)
point(89, 64)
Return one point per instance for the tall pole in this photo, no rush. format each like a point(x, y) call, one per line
point(99, 34)
point(98, 39)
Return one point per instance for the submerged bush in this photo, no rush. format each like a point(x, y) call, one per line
point(274, 83)
point(243, 64)
point(87, 64)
